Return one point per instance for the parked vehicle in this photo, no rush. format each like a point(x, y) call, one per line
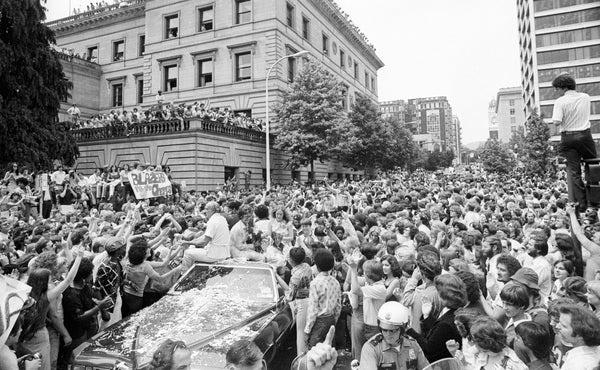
point(209, 308)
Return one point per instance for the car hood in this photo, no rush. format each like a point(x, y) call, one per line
point(207, 320)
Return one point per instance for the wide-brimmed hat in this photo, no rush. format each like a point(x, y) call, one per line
point(526, 276)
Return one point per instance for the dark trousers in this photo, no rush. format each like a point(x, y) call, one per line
point(320, 329)
point(131, 304)
point(575, 146)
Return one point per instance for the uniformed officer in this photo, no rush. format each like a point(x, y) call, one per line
point(391, 349)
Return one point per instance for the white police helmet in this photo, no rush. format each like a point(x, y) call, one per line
point(393, 313)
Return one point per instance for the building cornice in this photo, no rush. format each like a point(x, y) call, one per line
point(343, 23)
point(109, 14)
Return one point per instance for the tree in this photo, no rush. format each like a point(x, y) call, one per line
point(311, 118)
point(32, 84)
point(402, 151)
point(517, 143)
point(366, 142)
point(496, 157)
point(538, 153)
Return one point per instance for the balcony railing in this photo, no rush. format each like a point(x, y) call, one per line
point(91, 13)
point(165, 128)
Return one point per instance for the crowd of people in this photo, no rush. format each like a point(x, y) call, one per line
point(165, 112)
point(412, 268)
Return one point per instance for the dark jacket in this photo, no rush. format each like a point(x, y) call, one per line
point(434, 341)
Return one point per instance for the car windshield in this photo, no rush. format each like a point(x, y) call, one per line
point(253, 284)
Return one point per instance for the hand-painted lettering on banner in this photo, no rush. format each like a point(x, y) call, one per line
point(148, 184)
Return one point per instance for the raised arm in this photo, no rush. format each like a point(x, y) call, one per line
point(592, 247)
point(63, 285)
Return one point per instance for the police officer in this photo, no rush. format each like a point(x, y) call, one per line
point(391, 349)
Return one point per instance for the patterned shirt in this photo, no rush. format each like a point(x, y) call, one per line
point(325, 299)
point(300, 282)
point(109, 280)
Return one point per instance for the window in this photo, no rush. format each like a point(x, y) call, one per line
point(513, 128)
point(512, 111)
point(205, 18)
point(291, 69)
point(92, 54)
point(243, 66)
point(563, 19)
point(564, 55)
point(325, 44)
point(366, 80)
point(513, 120)
point(65, 97)
point(117, 95)
point(565, 37)
point(141, 45)
point(243, 112)
point(231, 173)
point(243, 11)
point(590, 70)
point(548, 93)
point(373, 83)
point(511, 102)
point(171, 26)
point(170, 77)
point(140, 91)
point(118, 50)
point(345, 98)
point(355, 71)
point(305, 28)
point(342, 59)
point(205, 72)
point(289, 15)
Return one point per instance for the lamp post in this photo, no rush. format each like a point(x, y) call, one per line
point(268, 144)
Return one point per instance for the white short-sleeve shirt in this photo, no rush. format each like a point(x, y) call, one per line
point(218, 229)
point(572, 110)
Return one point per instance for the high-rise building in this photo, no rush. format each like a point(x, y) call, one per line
point(215, 52)
point(433, 116)
point(559, 36)
point(393, 109)
point(506, 114)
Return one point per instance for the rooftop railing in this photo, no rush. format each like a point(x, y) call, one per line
point(91, 13)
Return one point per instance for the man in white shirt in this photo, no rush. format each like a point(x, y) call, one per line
point(572, 113)
point(537, 248)
point(159, 100)
point(213, 245)
point(74, 112)
point(581, 328)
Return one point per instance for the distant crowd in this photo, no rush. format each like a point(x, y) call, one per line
point(165, 112)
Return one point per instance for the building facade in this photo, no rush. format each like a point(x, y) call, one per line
point(395, 109)
point(506, 114)
point(212, 52)
point(559, 36)
point(433, 116)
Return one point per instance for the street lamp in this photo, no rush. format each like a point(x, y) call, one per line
point(268, 144)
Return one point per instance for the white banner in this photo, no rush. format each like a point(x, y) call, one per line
point(150, 184)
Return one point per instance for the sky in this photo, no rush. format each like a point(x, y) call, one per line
point(465, 50)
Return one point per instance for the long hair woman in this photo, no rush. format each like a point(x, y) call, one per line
point(34, 337)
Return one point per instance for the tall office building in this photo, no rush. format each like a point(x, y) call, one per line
point(506, 114)
point(559, 36)
point(208, 51)
point(433, 116)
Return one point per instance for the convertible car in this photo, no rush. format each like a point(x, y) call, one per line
point(209, 308)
